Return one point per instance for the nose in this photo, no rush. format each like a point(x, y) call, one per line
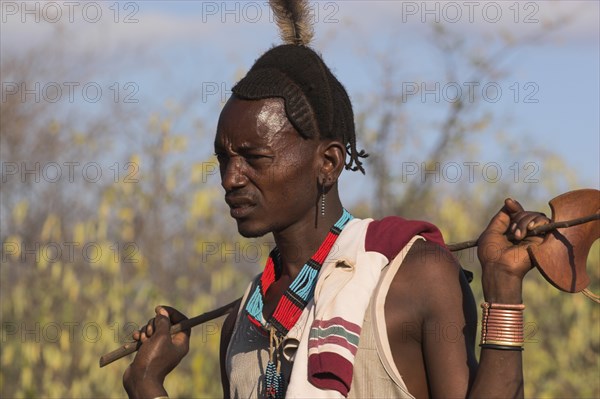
point(232, 174)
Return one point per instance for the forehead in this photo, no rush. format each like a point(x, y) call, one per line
point(253, 122)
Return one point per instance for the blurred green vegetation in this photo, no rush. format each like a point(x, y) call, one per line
point(84, 263)
point(75, 287)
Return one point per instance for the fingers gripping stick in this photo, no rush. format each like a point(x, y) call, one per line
point(132, 347)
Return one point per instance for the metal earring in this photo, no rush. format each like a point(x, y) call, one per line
point(322, 199)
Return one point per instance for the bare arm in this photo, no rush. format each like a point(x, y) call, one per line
point(431, 319)
point(442, 315)
point(502, 251)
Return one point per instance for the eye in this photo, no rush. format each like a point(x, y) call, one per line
point(258, 159)
point(254, 156)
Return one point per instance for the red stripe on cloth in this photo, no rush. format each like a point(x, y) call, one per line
point(330, 371)
point(337, 321)
point(332, 339)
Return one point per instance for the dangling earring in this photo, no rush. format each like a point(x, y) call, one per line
point(322, 199)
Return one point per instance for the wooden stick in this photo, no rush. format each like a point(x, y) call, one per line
point(535, 232)
point(131, 347)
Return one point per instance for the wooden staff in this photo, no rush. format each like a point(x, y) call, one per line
point(538, 231)
point(550, 257)
point(131, 347)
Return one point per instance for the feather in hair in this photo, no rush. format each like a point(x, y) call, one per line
point(293, 19)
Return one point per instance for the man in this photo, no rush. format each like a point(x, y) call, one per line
point(281, 142)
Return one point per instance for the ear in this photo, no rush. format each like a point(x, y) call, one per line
point(333, 159)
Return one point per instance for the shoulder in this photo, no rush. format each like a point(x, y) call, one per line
point(430, 263)
point(429, 273)
point(426, 259)
point(429, 281)
point(431, 293)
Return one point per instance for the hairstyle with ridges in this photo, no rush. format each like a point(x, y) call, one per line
point(316, 103)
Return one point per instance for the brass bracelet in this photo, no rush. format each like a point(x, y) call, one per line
point(504, 313)
point(502, 326)
point(503, 321)
point(503, 333)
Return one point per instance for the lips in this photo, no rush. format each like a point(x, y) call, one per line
point(240, 207)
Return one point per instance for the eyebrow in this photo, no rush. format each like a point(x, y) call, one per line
point(244, 147)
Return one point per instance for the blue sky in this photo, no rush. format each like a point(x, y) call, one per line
point(194, 45)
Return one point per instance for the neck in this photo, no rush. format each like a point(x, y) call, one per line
point(300, 241)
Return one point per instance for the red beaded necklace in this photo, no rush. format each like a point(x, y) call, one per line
point(299, 293)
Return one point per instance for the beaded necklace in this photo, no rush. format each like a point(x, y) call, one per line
point(290, 305)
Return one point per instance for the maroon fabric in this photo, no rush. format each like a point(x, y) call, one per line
point(389, 235)
point(322, 377)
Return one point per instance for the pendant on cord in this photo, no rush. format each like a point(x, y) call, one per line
point(274, 379)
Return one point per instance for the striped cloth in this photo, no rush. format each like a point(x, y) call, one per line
point(324, 342)
point(327, 333)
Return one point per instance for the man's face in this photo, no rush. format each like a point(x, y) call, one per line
point(268, 171)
